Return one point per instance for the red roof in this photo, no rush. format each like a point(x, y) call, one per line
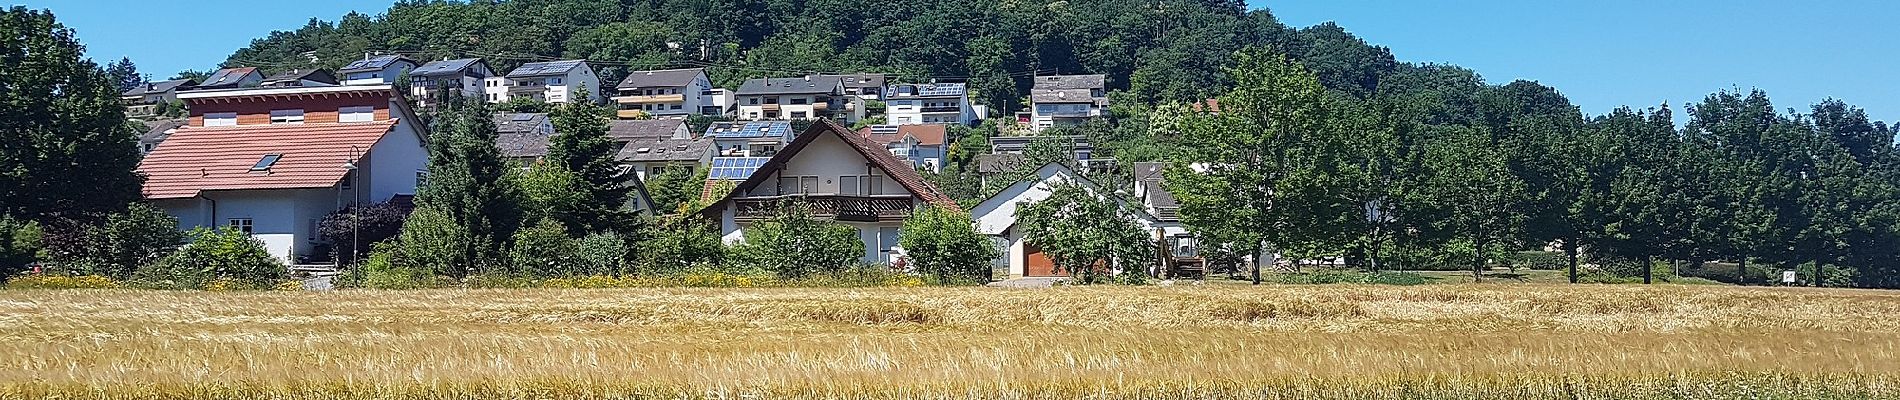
point(197, 159)
point(926, 134)
point(897, 169)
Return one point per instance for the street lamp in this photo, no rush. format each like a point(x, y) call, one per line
point(355, 185)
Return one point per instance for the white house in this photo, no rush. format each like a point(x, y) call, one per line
point(865, 86)
point(996, 217)
point(552, 81)
point(749, 139)
point(653, 146)
point(809, 97)
point(929, 103)
point(841, 176)
point(273, 161)
point(464, 76)
point(923, 146)
point(232, 78)
point(674, 93)
point(376, 70)
point(1066, 100)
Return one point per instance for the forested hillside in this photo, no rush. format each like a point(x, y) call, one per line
point(1168, 50)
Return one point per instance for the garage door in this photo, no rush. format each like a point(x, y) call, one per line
point(1037, 264)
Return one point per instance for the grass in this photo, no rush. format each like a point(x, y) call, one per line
point(1214, 341)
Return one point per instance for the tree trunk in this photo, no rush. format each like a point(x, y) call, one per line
point(1260, 253)
point(1477, 262)
point(1570, 250)
point(1817, 272)
point(1648, 264)
point(1741, 271)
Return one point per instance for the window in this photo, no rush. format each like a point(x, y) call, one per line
point(886, 241)
point(242, 225)
point(286, 116)
point(656, 170)
point(809, 184)
point(347, 179)
point(848, 185)
point(800, 100)
point(798, 115)
point(422, 178)
point(676, 106)
point(752, 100)
point(554, 81)
point(221, 119)
point(788, 185)
point(263, 164)
point(356, 114)
point(874, 185)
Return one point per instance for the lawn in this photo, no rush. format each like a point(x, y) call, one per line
point(1213, 341)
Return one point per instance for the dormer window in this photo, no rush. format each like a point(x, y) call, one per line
point(286, 116)
point(356, 114)
point(221, 119)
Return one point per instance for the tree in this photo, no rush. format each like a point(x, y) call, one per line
point(543, 250)
point(68, 151)
point(355, 229)
point(192, 74)
point(675, 187)
point(125, 75)
point(1472, 181)
point(680, 242)
point(793, 245)
point(1085, 233)
point(470, 209)
point(134, 239)
point(214, 254)
point(943, 243)
point(581, 146)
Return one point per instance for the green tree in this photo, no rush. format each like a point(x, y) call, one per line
point(1469, 178)
point(943, 243)
point(1086, 234)
point(125, 75)
point(19, 244)
point(675, 187)
point(134, 239)
point(471, 206)
point(222, 253)
point(680, 242)
point(792, 244)
point(624, 47)
point(581, 146)
point(68, 151)
point(543, 250)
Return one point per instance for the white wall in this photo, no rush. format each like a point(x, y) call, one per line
point(390, 167)
point(828, 158)
point(283, 219)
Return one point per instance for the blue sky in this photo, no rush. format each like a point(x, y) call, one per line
point(1601, 53)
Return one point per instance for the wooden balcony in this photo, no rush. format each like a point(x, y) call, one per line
point(526, 89)
point(769, 107)
point(649, 99)
point(820, 108)
point(838, 207)
point(630, 114)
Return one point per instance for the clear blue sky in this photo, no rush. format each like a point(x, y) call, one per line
point(1600, 53)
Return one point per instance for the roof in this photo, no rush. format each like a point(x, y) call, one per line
point(546, 68)
point(807, 84)
point(279, 92)
point(1061, 96)
point(161, 87)
point(1007, 202)
point(290, 78)
point(228, 76)
point(1071, 82)
point(926, 134)
point(998, 163)
point(860, 80)
point(518, 122)
point(897, 170)
point(198, 159)
point(628, 129)
point(155, 130)
point(648, 149)
point(1149, 171)
point(1158, 196)
point(931, 89)
point(661, 78)
point(444, 67)
point(753, 129)
point(519, 135)
point(735, 168)
point(374, 63)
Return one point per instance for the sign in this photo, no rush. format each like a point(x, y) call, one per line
point(1787, 276)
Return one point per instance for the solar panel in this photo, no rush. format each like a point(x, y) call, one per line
point(523, 117)
point(735, 168)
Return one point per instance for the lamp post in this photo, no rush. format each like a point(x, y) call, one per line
point(355, 219)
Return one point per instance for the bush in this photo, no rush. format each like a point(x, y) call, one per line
point(220, 254)
point(543, 250)
point(362, 227)
point(1326, 277)
point(794, 245)
point(1540, 260)
point(380, 272)
point(680, 243)
point(943, 243)
point(19, 245)
point(600, 254)
point(61, 282)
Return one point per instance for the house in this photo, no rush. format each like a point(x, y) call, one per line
point(868, 87)
point(922, 145)
point(723, 100)
point(809, 97)
point(232, 78)
point(651, 147)
point(1078, 144)
point(552, 81)
point(839, 175)
point(1183, 247)
point(1066, 100)
point(376, 70)
point(749, 139)
point(156, 132)
point(271, 162)
point(299, 78)
point(672, 93)
point(996, 218)
point(463, 76)
point(147, 100)
point(929, 103)
point(523, 136)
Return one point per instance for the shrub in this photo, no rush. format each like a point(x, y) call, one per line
point(215, 254)
point(943, 243)
point(600, 254)
point(792, 244)
point(680, 243)
point(380, 272)
point(543, 250)
point(362, 226)
point(1542, 260)
point(1326, 277)
point(19, 244)
point(44, 281)
point(430, 241)
point(135, 238)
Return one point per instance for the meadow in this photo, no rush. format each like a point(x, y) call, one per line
point(1215, 341)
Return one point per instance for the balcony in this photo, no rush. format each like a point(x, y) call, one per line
point(630, 114)
point(942, 109)
point(769, 107)
point(650, 99)
point(838, 207)
point(526, 89)
point(1069, 114)
point(820, 108)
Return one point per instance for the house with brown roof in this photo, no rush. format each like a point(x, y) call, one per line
point(1058, 100)
point(669, 93)
point(523, 136)
point(271, 162)
point(808, 97)
point(232, 78)
point(651, 147)
point(921, 145)
point(839, 175)
point(996, 217)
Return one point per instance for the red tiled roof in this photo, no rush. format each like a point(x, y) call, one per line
point(897, 169)
point(926, 134)
point(196, 159)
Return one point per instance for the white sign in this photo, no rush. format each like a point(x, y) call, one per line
point(1787, 276)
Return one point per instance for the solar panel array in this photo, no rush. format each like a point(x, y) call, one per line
point(941, 89)
point(440, 67)
point(545, 68)
point(372, 62)
point(735, 168)
point(749, 130)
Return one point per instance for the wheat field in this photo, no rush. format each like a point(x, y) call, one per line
point(1341, 341)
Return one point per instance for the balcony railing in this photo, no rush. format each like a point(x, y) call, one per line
point(839, 207)
point(527, 89)
point(656, 98)
point(769, 107)
point(942, 109)
point(1069, 114)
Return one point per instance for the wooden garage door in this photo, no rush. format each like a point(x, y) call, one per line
point(1037, 264)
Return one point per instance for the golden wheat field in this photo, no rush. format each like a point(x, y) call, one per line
point(1440, 341)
